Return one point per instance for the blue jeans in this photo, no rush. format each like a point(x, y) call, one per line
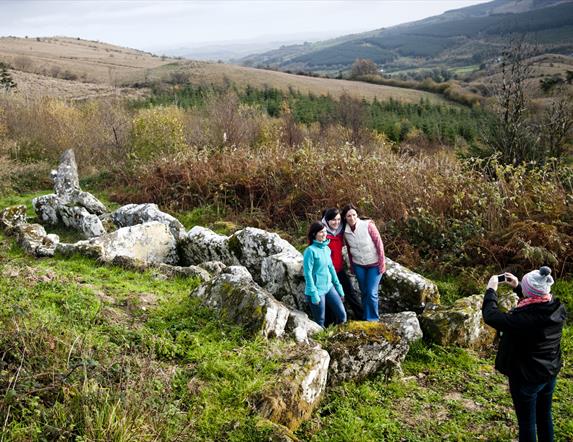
point(532, 403)
point(332, 298)
point(368, 280)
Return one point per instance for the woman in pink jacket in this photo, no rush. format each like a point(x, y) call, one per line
point(366, 254)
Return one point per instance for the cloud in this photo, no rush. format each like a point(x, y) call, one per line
point(147, 24)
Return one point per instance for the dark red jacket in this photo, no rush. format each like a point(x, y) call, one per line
point(336, 244)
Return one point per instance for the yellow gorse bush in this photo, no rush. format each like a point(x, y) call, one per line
point(157, 131)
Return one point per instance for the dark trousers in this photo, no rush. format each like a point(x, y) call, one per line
point(350, 297)
point(532, 403)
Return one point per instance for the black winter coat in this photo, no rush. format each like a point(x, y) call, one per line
point(530, 344)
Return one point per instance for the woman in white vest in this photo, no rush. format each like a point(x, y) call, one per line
point(366, 255)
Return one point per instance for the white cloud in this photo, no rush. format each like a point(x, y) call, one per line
point(154, 24)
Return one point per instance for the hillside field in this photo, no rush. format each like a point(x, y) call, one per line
point(89, 63)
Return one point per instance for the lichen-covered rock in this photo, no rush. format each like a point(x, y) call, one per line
point(46, 207)
point(360, 349)
point(403, 289)
point(240, 300)
point(405, 324)
point(11, 217)
point(251, 246)
point(300, 385)
point(202, 244)
point(151, 243)
point(301, 327)
point(70, 205)
point(213, 267)
point(88, 202)
point(133, 214)
point(78, 218)
point(66, 180)
point(84, 248)
point(35, 241)
point(460, 324)
point(172, 271)
point(282, 275)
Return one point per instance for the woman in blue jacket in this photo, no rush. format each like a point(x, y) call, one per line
point(323, 290)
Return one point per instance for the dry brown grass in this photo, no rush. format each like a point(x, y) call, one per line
point(34, 85)
point(91, 61)
point(105, 64)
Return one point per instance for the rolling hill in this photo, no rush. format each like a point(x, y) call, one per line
point(461, 37)
point(73, 68)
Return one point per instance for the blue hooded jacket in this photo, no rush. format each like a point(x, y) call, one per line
point(319, 272)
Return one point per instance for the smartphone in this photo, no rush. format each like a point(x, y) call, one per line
point(501, 278)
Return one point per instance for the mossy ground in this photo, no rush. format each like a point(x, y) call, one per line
point(94, 352)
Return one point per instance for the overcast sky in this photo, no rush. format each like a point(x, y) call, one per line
point(154, 25)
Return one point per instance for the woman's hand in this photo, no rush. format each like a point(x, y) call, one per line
point(492, 283)
point(511, 279)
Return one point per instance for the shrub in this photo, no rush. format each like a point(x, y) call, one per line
point(157, 131)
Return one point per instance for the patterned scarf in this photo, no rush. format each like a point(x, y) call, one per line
point(533, 300)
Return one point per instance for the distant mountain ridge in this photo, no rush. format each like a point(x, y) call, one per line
point(457, 37)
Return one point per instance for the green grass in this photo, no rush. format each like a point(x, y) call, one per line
point(97, 352)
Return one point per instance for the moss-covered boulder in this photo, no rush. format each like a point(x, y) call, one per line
point(402, 290)
point(301, 383)
point(460, 324)
point(241, 300)
point(35, 241)
point(360, 349)
point(11, 217)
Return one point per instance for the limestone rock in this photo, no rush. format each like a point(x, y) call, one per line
point(460, 324)
point(88, 202)
point(405, 324)
point(282, 275)
point(172, 271)
point(239, 299)
point(213, 267)
point(301, 327)
point(89, 225)
point(70, 205)
point(35, 241)
point(84, 248)
point(402, 289)
point(46, 207)
point(202, 244)
point(300, 386)
point(360, 349)
point(150, 243)
point(251, 246)
point(66, 180)
point(133, 214)
point(12, 216)
point(67, 186)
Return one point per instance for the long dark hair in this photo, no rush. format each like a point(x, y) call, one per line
point(330, 214)
point(347, 209)
point(314, 228)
